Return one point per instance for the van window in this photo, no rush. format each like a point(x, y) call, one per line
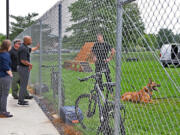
point(179, 53)
point(174, 52)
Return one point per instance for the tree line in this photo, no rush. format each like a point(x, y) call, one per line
point(18, 25)
point(90, 17)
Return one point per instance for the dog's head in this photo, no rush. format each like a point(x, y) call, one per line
point(152, 85)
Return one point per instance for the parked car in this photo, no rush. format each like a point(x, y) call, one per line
point(170, 54)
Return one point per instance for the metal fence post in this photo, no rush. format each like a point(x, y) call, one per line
point(30, 34)
point(59, 59)
point(40, 58)
point(118, 120)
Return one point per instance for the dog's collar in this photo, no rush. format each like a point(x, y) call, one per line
point(148, 92)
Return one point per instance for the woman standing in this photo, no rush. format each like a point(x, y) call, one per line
point(5, 77)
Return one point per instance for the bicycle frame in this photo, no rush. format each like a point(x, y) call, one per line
point(103, 111)
point(105, 107)
point(99, 92)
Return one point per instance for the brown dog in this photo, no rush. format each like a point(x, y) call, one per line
point(143, 96)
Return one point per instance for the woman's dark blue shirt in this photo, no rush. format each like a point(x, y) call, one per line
point(5, 63)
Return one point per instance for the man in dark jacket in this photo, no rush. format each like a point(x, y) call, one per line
point(101, 57)
point(16, 79)
point(24, 67)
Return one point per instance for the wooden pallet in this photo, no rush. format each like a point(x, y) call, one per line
point(85, 54)
point(77, 66)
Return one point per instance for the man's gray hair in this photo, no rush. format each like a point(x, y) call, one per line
point(16, 40)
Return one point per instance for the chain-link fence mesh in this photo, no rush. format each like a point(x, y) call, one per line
point(45, 60)
point(148, 63)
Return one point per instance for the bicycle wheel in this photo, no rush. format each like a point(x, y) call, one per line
point(87, 104)
point(107, 125)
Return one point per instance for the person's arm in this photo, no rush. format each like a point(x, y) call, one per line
point(111, 55)
point(23, 58)
point(25, 62)
point(11, 56)
point(94, 57)
point(9, 72)
point(35, 48)
point(6, 65)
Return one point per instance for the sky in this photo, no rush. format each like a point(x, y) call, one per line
point(22, 8)
point(155, 14)
point(158, 14)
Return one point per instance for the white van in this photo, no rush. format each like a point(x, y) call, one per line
point(170, 54)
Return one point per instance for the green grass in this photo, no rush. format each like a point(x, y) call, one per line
point(162, 117)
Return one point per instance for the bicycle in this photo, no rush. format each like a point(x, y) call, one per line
point(105, 107)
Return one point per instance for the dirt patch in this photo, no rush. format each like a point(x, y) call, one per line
point(68, 130)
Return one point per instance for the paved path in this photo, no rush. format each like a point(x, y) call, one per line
point(27, 120)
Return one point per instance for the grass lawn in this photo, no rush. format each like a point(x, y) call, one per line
point(161, 117)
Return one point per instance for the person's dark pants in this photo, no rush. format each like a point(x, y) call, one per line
point(5, 83)
point(16, 84)
point(100, 66)
point(24, 77)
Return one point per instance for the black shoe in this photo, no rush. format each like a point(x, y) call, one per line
point(28, 97)
point(16, 97)
point(23, 103)
point(5, 115)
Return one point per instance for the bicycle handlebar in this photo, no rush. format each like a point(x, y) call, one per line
point(83, 79)
point(92, 76)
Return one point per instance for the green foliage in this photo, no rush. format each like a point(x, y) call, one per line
point(48, 39)
point(90, 17)
point(2, 37)
point(162, 115)
point(153, 41)
point(21, 22)
point(148, 40)
point(177, 38)
point(133, 26)
point(166, 36)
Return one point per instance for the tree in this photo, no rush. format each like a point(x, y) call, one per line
point(90, 17)
point(148, 40)
point(133, 26)
point(2, 37)
point(21, 22)
point(166, 36)
point(177, 38)
point(49, 40)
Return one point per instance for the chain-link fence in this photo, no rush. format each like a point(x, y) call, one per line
point(116, 61)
